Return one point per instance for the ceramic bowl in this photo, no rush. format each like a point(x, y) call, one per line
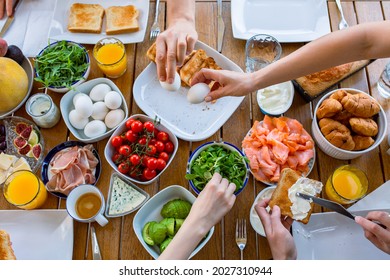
point(336, 152)
point(286, 92)
point(75, 83)
point(66, 105)
point(150, 211)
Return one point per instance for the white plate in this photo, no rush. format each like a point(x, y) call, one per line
point(287, 21)
point(331, 236)
point(39, 234)
point(59, 31)
point(191, 122)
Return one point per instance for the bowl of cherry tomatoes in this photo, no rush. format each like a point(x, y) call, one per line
point(141, 149)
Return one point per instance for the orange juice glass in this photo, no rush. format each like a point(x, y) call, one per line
point(110, 54)
point(346, 185)
point(25, 190)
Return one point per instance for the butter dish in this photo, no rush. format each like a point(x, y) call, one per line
point(124, 197)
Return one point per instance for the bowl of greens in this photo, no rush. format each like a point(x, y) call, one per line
point(62, 65)
point(222, 157)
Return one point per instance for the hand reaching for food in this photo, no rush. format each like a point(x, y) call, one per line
point(6, 7)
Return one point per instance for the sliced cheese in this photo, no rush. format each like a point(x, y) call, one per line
point(6, 161)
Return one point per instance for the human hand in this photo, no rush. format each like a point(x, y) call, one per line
point(228, 83)
point(6, 5)
point(172, 46)
point(379, 236)
point(277, 231)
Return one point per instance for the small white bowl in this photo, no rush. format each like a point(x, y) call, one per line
point(109, 150)
point(285, 88)
point(253, 217)
point(75, 83)
point(66, 105)
point(150, 211)
point(336, 152)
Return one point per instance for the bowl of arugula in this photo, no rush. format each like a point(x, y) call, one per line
point(222, 157)
point(62, 65)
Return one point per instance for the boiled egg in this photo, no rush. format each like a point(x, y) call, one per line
point(114, 117)
point(76, 97)
point(197, 93)
point(113, 100)
point(94, 128)
point(76, 120)
point(99, 91)
point(84, 106)
point(174, 86)
point(99, 110)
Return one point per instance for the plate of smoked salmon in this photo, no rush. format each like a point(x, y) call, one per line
point(276, 143)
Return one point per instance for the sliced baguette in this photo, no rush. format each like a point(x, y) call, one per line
point(86, 18)
point(6, 251)
point(121, 19)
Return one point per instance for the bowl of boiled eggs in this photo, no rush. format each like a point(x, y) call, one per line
point(93, 110)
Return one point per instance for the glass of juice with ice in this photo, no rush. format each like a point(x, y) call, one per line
point(110, 55)
point(25, 190)
point(346, 185)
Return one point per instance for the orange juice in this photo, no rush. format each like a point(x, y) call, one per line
point(347, 184)
point(25, 190)
point(111, 56)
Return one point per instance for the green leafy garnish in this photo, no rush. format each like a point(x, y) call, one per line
point(216, 158)
point(61, 65)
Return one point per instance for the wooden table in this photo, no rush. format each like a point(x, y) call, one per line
point(117, 240)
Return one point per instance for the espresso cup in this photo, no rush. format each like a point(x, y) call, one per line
point(85, 204)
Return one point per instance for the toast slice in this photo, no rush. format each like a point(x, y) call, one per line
point(284, 195)
point(86, 18)
point(6, 251)
point(121, 19)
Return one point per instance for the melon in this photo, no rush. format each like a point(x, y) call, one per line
point(13, 84)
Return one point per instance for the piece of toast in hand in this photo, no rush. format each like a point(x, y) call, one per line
point(6, 251)
point(121, 19)
point(85, 18)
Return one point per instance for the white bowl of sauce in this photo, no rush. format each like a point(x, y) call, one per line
point(253, 217)
point(276, 99)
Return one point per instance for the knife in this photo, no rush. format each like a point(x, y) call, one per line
point(9, 19)
point(331, 205)
point(95, 246)
point(221, 26)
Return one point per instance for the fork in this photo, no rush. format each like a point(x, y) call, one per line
point(241, 235)
point(155, 30)
point(343, 23)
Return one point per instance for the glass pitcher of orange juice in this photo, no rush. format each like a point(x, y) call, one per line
point(25, 190)
point(346, 185)
point(110, 54)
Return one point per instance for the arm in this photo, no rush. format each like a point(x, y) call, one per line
point(213, 202)
point(363, 41)
point(179, 39)
point(8, 5)
point(277, 231)
point(378, 236)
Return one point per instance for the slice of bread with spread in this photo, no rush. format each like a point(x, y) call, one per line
point(86, 18)
point(121, 19)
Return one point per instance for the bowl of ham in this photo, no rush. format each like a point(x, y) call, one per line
point(276, 143)
point(69, 165)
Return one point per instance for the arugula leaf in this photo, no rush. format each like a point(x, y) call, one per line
point(216, 158)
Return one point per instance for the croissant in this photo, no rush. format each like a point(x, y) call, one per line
point(337, 134)
point(360, 105)
point(362, 142)
point(339, 95)
point(364, 127)
point(328, 108)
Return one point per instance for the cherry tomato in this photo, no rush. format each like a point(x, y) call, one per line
point(135, 159)
point(164, 156)
point(116, 141)
point(149, 126)
point(169, 147)
point(163, 136)
point(137, 126)
point(124, 167)
point(160, 146)
point(153, 141)
point(155, 132)
point(161, 164)
point(125, 150)
point(131, 136)
point(149, 174)
point(145, 160)
point(152, 150)
point(142, 140)
point(117, 158)
point(134, 174)
point(129, 122)
point(152, 163)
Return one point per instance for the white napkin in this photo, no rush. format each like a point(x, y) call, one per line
point(378, 199)
point(30, 28)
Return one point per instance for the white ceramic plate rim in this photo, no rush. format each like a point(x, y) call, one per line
point(315, 19)
point(225, 109)
point(58, 27)
point(39, 234)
